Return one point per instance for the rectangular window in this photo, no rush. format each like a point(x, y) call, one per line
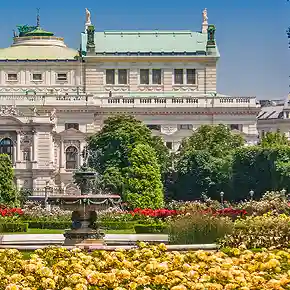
point(26, 155)
point(169, 145)
point(154, 127)
point(156, 76)
point(62, 77)
point(144, 76)
point(190, 76)
point(71, 125)
point(12, 77)
point(178, 76)
point(122, 77)
point(186, 127)
point(37, 77)
point(234, 127)
point(110, 76)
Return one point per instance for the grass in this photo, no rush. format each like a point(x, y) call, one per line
point(51, 231)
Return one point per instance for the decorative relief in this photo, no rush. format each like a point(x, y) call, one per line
point(71, 189)
point(168, 129)
point(117, 88)
point(150, 88)
point(68, 143)
point(9, 111)
point(184, 89)
point(26, 139)
point(52, 116)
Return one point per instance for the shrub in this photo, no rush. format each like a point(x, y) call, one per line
point(267, 231)
point(198, 228)
point(151, 229)
point(271, 201)
point(115, 225)
point(56, 225)
point(9, 227)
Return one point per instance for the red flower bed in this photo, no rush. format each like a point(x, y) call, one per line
point(159, 213)
point(230, 212)
point(10, 212)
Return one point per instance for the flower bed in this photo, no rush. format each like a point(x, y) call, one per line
point(144, 268)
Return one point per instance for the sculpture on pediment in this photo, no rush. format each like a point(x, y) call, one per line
point(52, 115)
point(211, 35)
point(9, 111)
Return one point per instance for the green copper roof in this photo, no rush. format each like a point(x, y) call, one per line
point(39, 32)
point(148, 42)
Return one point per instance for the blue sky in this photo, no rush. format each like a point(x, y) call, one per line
point(250, 33)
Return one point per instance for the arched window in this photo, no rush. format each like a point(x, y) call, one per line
point(71, 157)
point(6, 147)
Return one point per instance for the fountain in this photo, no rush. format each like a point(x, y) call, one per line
point(84, 208)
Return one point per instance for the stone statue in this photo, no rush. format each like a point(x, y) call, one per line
point(52, 115)
point(204, 15)
point(88, 17)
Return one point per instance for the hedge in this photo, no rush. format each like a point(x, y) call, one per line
point(55, 225)
point(109, 225)
point(151, 229)
point(11, 227)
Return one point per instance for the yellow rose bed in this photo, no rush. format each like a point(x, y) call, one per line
point(144, 268)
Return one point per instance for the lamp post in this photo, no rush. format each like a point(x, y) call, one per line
point(251, 194)
point(222, 198)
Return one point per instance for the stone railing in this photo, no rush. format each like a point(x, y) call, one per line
point(130, 100)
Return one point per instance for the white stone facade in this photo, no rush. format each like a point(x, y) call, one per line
point(49, 107)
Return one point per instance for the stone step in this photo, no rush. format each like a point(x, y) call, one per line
point(58, 239)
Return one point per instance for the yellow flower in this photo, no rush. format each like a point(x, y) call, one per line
point(12, 287)
point(178, 287)
point(81, 287)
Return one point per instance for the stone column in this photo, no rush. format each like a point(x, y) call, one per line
point(51, 147)
point(81, 158)
point(34, 146)
point(61, 156)
point(18, 151)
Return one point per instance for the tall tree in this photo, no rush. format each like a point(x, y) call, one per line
point(8, 191)
point(217, 140)
point(111, 147)
point(143, 186)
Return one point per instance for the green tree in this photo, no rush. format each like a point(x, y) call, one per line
point(204, 164)
point(273, 139)
point(110, 148)
point(8, 191)
point(218, 140)
point(143, 186)
point(199, 173)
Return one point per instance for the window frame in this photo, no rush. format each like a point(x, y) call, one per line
point(76, 159)
point(37, 80)
point(68, 126)
point(58, 79)
point(12, 80)
point(184, 77)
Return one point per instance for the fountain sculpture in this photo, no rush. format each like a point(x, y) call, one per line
point(84, 208)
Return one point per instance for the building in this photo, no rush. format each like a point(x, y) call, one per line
point(274, 117)
point(52, 97)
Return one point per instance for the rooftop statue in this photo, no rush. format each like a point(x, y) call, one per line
point(204, 15)
point(24, 29)
point(88, 17)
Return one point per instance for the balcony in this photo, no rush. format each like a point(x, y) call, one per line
point(131, 100)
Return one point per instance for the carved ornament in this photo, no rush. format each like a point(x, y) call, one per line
point(9, 111)
point(168, 129)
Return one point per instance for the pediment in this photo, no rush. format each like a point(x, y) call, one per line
point(72, 132)
point(10, 120)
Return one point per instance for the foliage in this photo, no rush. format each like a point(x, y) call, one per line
point(34, 211)
point(143, 186)
point(274, 139)
point(8, 192)
point(267, 231)
point(151, 229)
point(47, 224)
point(199, 173)
point(260, 169)
point(144, 267)
point(157, 213)
point(13, 226)
point(111, 148)
point(217, 140)
point(116, 225)
point(275, 202)
point(196, 228)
